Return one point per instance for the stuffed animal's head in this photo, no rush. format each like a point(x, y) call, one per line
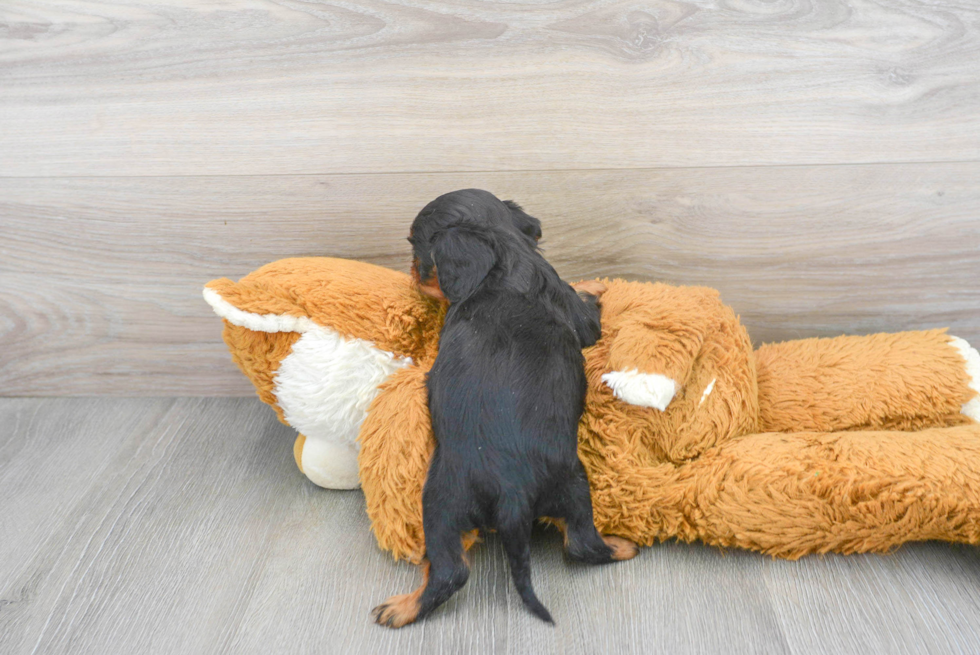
point(317, 337)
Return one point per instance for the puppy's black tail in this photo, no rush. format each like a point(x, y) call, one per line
point(517, 544)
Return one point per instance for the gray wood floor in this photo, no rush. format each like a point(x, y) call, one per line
point(181, 526)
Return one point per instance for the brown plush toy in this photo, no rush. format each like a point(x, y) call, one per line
point(849, 444)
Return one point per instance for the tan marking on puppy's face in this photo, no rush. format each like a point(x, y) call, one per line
point(592, 287)
point(429, 287)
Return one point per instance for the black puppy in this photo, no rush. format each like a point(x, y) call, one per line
point(506, 393)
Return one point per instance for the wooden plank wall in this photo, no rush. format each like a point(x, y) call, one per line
point(817, 161)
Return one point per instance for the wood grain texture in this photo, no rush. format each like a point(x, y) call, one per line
point(101, 277)
point(181, 526)
point(282, 86)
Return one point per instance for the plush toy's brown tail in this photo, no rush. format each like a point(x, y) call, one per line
point(903, 381)
point(789, 495)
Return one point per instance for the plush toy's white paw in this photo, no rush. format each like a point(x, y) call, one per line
point(644, 389)
point(330, 465)
point(972, 407)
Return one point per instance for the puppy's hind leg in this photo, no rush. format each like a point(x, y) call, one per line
point(401, 610)
point(444, 571)
point(450, 569)
point(446, 568)
point(583, 541)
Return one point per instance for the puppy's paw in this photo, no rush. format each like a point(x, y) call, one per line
point(621, 548)
point(397, 611)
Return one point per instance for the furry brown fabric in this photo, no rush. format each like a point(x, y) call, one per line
point(849, 444)
point(904, 384)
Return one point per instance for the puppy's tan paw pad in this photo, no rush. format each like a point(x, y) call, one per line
point(622, 549)
point(397, 611)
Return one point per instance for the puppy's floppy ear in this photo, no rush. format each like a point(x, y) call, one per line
point(524, 222)
point(462, 260)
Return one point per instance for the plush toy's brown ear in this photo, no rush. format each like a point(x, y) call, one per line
point(462, 259)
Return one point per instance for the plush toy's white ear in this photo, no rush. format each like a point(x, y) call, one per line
point(253, 321)
point(972, 407)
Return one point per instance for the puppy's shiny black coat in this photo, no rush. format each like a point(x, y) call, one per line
point(506, 392)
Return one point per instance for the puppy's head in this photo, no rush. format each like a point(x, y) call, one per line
point(525, 223)
point(458, 239)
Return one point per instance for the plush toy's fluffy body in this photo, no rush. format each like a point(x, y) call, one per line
point(847, 444)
